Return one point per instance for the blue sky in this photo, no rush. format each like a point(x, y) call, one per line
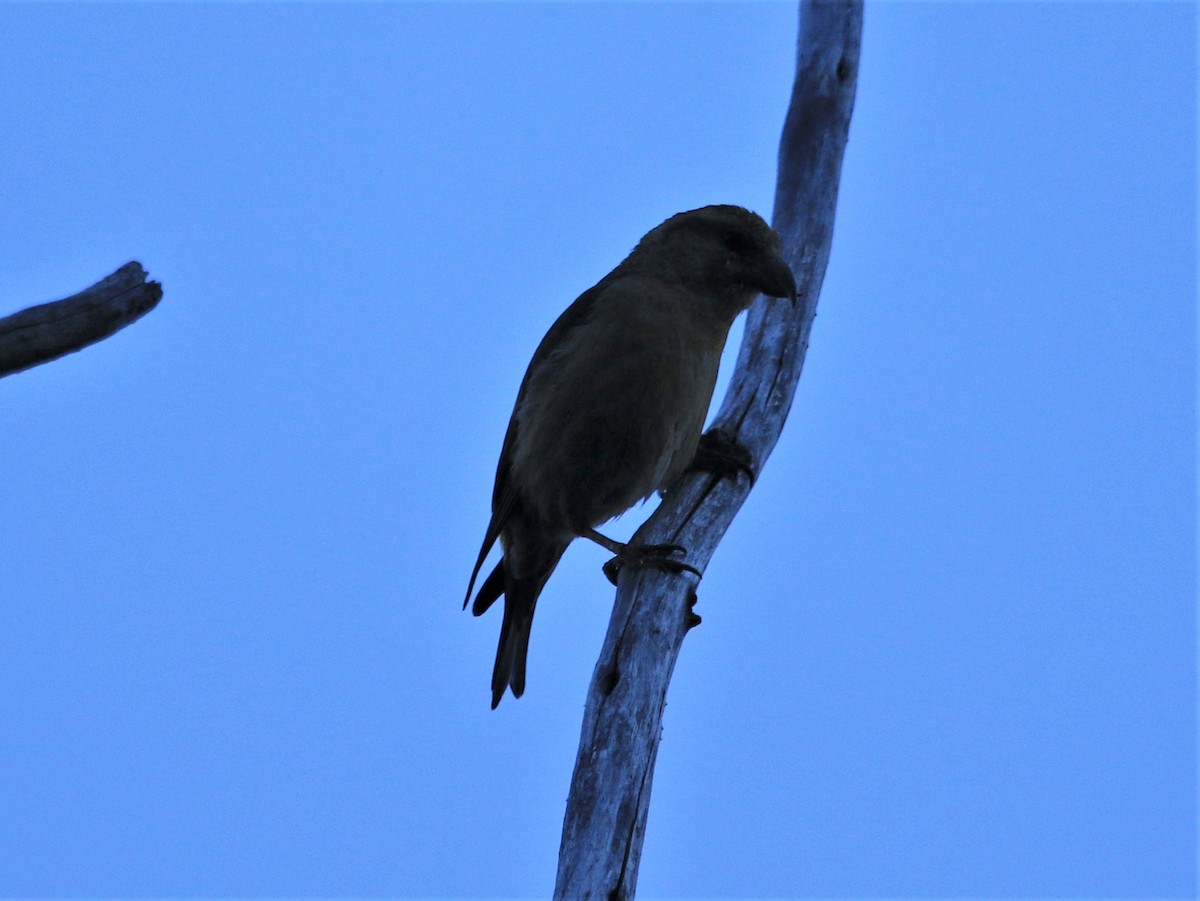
point(949, 645)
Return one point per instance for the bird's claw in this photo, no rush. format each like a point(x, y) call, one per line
point(643, 555)
point(720, 453)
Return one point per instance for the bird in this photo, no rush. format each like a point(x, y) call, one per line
point(612, 406)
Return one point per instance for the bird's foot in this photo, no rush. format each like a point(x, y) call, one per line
point(723, 455)
point(640, 556)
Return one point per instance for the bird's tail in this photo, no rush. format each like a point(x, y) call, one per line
point(520, 599)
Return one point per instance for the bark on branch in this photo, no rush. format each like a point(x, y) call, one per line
point(610, 790)
point(50, 330)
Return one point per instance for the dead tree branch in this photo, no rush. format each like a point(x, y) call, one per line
point(50, 330)
point(610, 790)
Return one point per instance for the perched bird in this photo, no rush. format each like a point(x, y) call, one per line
point(612, 405)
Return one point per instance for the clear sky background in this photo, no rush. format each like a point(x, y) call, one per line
point(949, 646)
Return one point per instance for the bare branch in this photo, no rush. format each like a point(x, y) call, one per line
point(50, 330)
point(610, 789)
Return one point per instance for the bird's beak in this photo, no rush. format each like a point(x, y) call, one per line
point(775, 279)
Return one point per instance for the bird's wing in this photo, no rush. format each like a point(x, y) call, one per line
point(558, 336)
point(504, 493)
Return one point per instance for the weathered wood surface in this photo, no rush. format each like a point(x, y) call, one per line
point(50, 330)
point(610, 790)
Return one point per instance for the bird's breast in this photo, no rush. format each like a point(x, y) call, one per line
point(612, 416)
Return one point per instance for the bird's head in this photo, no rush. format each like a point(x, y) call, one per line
point(724, 252)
